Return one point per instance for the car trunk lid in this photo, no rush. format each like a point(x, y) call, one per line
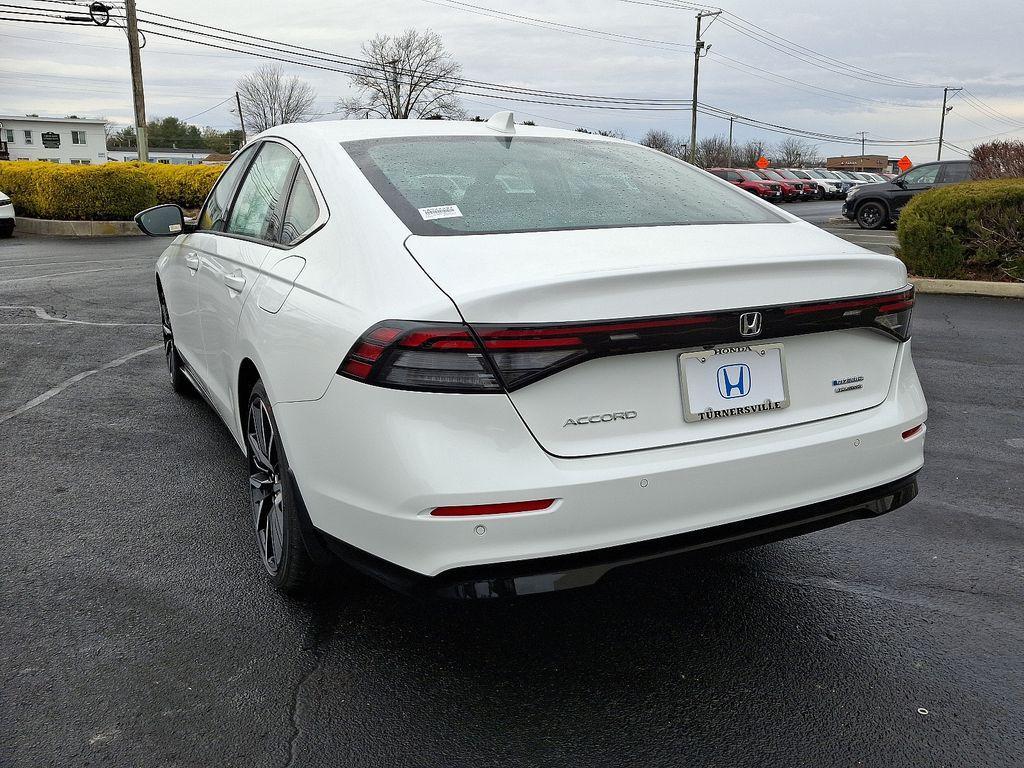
point(616, 289)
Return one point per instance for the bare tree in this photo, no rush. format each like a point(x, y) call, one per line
point(796, 152)
point(409, 75)
point(747, 154)
point(269, 98)
point(663, 141)
point(998, 160)
point(612, 134)
point(713, 152)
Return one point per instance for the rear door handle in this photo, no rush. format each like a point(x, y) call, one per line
point(192, 260)
point(235, 281)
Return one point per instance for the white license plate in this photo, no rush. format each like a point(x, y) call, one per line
point(733, 381)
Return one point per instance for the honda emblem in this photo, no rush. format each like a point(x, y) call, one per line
point(750, 324)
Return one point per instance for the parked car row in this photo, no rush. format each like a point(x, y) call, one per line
point(792, 184)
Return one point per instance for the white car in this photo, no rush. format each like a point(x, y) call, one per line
point(6, 216)
point(482, 359)
point(827, 188)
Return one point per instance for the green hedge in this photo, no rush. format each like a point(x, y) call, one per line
point(971, 230)
point(110, 192)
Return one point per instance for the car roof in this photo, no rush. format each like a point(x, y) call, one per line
point(331, 131)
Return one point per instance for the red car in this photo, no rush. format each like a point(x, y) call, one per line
point(792, 189)
point(750, 181)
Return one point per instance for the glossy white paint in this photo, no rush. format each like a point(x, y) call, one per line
point(370, 460)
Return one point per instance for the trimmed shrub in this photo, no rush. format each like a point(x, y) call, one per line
point(186, 185)
point(971, 230)
point(110, 192)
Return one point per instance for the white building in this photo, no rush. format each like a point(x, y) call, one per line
point(57, 139)
point(165, 156)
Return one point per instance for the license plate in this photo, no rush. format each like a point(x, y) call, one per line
point(733, 381)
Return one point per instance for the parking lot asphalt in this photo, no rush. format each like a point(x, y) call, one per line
point(138, 629)
point(827, 214)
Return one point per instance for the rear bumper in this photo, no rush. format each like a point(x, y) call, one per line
point(550, 574)
point(371, 463)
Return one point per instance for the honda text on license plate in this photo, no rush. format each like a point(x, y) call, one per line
point(732, 381)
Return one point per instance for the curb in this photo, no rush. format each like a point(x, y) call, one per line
point(968, 288)
point(56, 228)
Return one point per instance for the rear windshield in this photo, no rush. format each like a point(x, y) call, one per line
point(460, 185)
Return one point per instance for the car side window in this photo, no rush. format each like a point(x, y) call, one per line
point(955, 172)
point(302, 212)
point(214, 212)
point(258, 210)
point(925, 174)
point(733, 176)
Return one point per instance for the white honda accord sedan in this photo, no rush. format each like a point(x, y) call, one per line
point(484, 359)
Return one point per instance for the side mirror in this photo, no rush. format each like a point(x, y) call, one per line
point(164, 221)
point(899, 181)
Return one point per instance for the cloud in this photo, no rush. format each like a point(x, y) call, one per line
point(60, 70)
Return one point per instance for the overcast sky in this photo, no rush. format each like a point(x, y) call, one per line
point(55, 70)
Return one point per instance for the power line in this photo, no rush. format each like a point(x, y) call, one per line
point(210, 109)
point(532, 21)
point(827, 92)
point(354, 62)
point(798, 51)
point(350, 65)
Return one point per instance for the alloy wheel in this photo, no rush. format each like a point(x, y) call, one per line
point(265, 489)
point(165, 325)
point(870, 215)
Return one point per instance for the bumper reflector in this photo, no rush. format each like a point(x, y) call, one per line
point(913, 432)
point(473, 510)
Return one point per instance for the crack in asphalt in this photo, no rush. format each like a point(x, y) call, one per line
point(42, 314)
point(321, 627)
point(951, 324)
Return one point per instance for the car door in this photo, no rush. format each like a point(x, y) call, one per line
point(231, 263)
point(179, 276)
point(915, 180)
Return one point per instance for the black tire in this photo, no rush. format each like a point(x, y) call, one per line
point(6, 230)
point(273, 503)
point(179, 382)
point(872, 215)
point(819, 194)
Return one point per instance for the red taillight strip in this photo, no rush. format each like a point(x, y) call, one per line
point(583, 329)
point(374, 355)
point(886, 303)
point(505, 508)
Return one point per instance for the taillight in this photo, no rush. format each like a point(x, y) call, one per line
point(489, 358)
point(889, 312)
point(442, 357)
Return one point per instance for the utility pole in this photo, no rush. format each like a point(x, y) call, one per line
point(241, 122)
point(945, 110)
point(729, 161)
point(132, 28)
point(862, 135)
point(697, 48)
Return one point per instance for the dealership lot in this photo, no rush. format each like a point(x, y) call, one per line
point(828, 215)
point(139, 628)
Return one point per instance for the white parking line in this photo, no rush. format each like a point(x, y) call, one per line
point(60, 274)
point(42, 314)
point(74, 380)
point(6, 265)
